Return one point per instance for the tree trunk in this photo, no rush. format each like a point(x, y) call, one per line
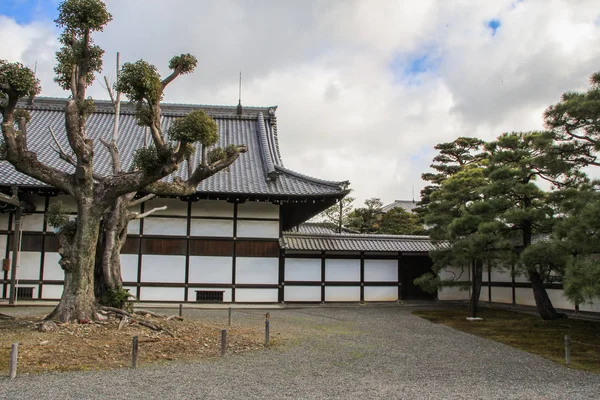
point(542, 301)
point(112, 237)
point(78, 257)
point(476, 292)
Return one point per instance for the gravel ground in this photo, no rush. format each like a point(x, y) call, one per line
point(332, 353)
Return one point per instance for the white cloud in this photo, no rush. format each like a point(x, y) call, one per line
point(337, 71)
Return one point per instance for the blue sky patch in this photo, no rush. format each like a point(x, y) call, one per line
point(494, 24)
point(407, 67)
point(27, 11)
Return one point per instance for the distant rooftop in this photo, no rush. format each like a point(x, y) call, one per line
point(408, 205)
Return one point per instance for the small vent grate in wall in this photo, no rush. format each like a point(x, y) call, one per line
point(24, 293)
point(209, 296)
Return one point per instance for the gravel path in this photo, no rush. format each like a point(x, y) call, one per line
point(332, 353)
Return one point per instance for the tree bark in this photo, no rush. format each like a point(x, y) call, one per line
point(78, 259)
point(542, 301)
point(476, 292)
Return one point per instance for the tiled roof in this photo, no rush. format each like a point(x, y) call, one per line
point(260, 171)
point(356, 242)
point(408, 205)
point(319, 228)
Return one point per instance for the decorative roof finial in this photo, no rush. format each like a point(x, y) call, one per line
point(239, 106)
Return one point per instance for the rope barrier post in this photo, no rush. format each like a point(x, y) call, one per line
point(229, 316)
point(181, 310)
point(223, 342)
point(267, 328)
point(134, 352)
point(14, 355)
point(567, 350)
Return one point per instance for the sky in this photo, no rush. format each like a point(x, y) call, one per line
point(365, 88)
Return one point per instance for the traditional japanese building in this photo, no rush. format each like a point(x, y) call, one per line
point(235, 240)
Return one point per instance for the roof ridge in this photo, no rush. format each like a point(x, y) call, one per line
point(337, 184)
point(357, 235)
point(105, 106)
point(268, 164)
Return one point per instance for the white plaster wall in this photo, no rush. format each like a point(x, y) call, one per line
point(133, 228)
point(483, 295)
point(302, 269)
point(129, 267)
point(455, 273)
point(165, 226)
point(302, 293)
point(381, 293)
point(212, 208)
point(211, 227)
point(258, 229)
point(205, 269)
point(52, 291)
point(29, 265)
point(162, 294)
point(52, 270)
point(67, 201)
point(342, 293)
point(226, 293)
point(253, 209)
point(33, 222)
point(524, 296)
point(501, 275)
point(174, 206)
point(256, 270)
point(157, 268)
point(342, 270)
point(256, 295)
point(502, 295)
point(593, 307)
point(559, 300)
point(35, 291)
point(381, 271)
point(133, 291)
point(453, 293)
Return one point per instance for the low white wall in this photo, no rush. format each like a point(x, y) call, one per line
point(256, 295)
point(52, 269)
point(342, 270)
point(254, 209)
point(129, 267)
point(157, 268)
point(212, 208)
point(29, 265)
point(302, 293)
point(161, 294)
point(226, 293)
point(381, 271)
point(211, 227)
point(342, 293)
point(33, 223)
point(207, 269)
point(256, 270)
point(381, 293)
point(52, 291)
point(302, 269)
point(165, 226)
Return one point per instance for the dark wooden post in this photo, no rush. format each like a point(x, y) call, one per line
point(16, 253)
point(267, 329)
point(223, 342)
point(14, 356)
point(134, 352)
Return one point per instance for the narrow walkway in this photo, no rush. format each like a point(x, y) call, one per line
point(336, 353)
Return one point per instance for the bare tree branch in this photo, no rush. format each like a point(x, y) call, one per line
point(135, 215)
point(141, 200)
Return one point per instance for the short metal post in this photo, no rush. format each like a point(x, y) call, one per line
point(134, 352)
point(223, 342)
point(267, 328)
point(229, 316)
point(567, 350)
point(181, 310)
point(14, 355)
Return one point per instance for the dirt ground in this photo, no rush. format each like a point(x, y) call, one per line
point(102, 345)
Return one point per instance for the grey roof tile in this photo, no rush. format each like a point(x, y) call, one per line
point(256, 128)
point(357, 242)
